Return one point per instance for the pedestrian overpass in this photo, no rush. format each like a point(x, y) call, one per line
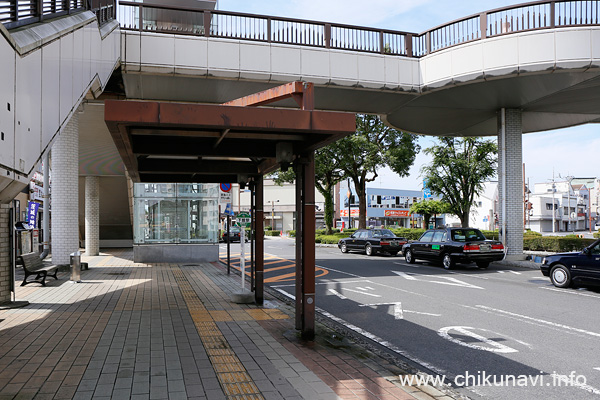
point(519, 69)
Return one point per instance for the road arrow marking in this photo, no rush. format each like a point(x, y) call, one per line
point(466, 331)
point(365, 293)
point(405, 275)
point(398, 314)
point(451, 281)
point(338, 294)
point(597, 368)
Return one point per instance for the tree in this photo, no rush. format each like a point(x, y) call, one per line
point(458, 170)
point(427, 208)
point(374, 145)
point(327, 175)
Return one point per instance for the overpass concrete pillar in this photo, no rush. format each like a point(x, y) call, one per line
point(92, 215)
point(65, 192)
point(510, 181)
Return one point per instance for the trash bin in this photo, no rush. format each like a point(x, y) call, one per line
point(76, 266)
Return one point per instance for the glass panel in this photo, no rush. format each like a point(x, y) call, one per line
point(175, 213)
point(154, 190)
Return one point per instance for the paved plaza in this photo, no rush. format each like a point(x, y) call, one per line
point(169, 331)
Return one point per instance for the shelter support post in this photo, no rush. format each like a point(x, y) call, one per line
point(305, 246)
point(260, 241)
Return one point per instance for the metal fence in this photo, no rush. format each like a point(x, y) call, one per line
point(536, 15)
point(16, 13)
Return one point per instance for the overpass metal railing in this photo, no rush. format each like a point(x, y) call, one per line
point(532, 16)
point(16, 13)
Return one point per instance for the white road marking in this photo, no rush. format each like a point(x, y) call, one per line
point(597, 368)
point(539, 321)
point(423, 313)
point(365, 293)
point(370, 288)
point(465, 330)
point(515, 272)
point(397, 308)
point(338, 294)
point(451, 281)
point(569, 291)
point(407, 265)
point(568, 381)
point(500, 272)
point(405, 275)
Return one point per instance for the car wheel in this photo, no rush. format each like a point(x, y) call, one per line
point(560, 276)
point(483, 264)
point(369, 250)
point(343, 248)
point(447, 261)
point(408, 256)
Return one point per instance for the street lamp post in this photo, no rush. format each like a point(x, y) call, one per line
point(273, 213)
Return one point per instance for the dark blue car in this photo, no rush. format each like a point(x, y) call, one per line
point(567, 269)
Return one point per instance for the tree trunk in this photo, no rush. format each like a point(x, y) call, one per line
point(464, 218)
point(426, 218)
point(361, 192)
point(327, 194)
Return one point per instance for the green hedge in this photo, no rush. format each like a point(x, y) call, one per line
point(555, 243)
point(272, 233)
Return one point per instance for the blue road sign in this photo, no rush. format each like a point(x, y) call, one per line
point(225, 187)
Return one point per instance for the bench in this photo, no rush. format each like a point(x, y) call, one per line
point(33, 265)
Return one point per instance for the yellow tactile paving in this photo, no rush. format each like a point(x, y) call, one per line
point(234, 383)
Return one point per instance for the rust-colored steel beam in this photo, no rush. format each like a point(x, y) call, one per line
point(302, 92)
point(308, 249)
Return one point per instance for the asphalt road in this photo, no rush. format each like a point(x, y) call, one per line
point(500, 333)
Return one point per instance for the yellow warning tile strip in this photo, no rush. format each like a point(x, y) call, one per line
point(233, 377)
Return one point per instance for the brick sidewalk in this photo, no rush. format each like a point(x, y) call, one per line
point(168, 331)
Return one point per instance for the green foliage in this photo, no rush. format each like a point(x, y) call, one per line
point(427, 208)
point(555, 243)
point(268, 228)
point(327, 175)
point(597, 235)
point(532, 234)
point(373, 146)
point(272, 233)
point(458, 169)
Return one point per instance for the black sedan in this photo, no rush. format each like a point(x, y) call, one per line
point(454, 245)
point(566, 269)
point(234, 235)
point(372, 241)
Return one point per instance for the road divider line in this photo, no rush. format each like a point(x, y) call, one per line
point(569, 382)
point(373, 337)
point(539, 321)
point(569, 291)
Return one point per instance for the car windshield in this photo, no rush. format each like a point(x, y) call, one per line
point(467, 235)
point(234, 229)
point(383, 233)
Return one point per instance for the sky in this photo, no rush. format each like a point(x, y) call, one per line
point(570, 151)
